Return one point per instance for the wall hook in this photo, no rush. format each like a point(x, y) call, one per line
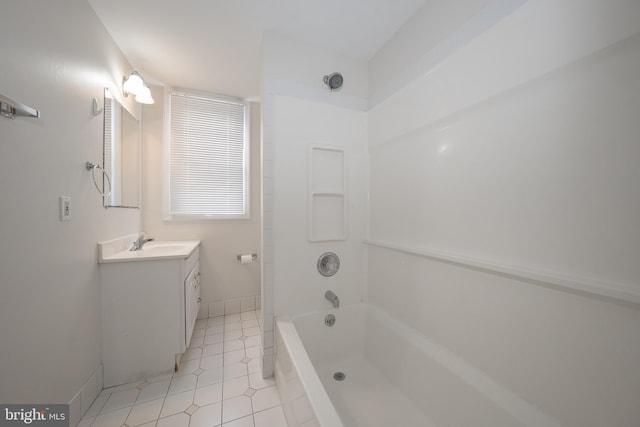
point(96, 110)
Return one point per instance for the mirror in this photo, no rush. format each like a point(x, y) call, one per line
point(121, 154)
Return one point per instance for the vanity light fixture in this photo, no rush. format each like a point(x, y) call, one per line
point(135, 85)
point(132, 84)
point(144, 96)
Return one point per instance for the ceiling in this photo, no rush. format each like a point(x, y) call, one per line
point(214, 45)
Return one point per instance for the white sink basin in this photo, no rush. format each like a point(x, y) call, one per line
point(150, 251)
point(161, 247)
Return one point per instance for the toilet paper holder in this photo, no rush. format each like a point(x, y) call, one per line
point(253, 257)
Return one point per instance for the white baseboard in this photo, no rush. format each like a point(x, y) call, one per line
point(229, 306)
point(83, 399)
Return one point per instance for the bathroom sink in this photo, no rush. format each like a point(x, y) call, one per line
point(153, 250)
point(160, 247)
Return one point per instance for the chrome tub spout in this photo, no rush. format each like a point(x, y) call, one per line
point(332, 298)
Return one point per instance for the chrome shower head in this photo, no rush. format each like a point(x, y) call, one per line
point(334, 81)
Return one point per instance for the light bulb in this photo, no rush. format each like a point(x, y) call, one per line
point(133, 84)
point(144, 96)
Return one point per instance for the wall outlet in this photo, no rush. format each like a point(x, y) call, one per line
point(65, 208)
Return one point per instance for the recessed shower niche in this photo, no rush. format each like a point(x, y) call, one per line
point(327, 194)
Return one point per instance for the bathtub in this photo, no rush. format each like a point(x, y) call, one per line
point(393, 376)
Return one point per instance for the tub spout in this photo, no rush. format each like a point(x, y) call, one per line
point(333, 298)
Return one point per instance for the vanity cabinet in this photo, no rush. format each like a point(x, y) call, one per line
point(149, 309)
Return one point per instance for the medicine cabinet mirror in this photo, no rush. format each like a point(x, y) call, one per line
point(122, 148)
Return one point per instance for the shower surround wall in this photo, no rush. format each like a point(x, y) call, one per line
point(56, 57)
point(298, 124)
point(514, 159)
point(299, 111)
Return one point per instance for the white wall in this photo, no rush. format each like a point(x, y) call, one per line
point(299, 110)
point(297, 69)
point(56, 57)
point(299, 124)
point(416, 47)
point(517, 154)
point(223, 277)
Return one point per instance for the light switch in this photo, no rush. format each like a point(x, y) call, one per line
point(65, 208)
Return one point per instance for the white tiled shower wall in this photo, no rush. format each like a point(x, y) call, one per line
point(299, 111)
point(298, 286)
point(292, 68)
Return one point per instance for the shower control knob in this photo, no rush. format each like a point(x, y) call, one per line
point(330, 320)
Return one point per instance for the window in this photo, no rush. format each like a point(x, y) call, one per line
point(208, 157)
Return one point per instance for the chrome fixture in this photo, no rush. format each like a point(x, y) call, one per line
point(334, 81)
point(332, 298)
point(328, 264)
point(136, 85)
point(138, 244)
point(92, 168)
point(12, 109)
point(330, 320)
point(253, 257)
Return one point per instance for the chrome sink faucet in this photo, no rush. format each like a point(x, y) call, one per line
point(333, 298)
point(138, 244)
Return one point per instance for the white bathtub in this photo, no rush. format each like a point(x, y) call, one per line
point(394, 377)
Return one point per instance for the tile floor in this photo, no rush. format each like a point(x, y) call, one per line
point(219, 384)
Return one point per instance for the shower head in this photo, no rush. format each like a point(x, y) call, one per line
point(334, 81)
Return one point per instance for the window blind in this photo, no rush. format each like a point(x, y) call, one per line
point(208, 156)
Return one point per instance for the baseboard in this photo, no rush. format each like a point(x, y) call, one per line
point(83, 399)
point(229, 306)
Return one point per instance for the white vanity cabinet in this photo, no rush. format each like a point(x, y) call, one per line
point(149, 308)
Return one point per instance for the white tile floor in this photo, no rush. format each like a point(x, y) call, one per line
point(219, 384)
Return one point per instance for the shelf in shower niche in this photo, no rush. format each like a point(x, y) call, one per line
point(327, 219)
point(327, 195)
point(327, 169)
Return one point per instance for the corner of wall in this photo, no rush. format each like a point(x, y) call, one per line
point(84, 398)
point(402, 60)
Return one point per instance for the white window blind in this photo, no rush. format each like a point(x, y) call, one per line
point(208, 157)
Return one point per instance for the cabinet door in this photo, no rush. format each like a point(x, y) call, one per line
point(192, 301)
